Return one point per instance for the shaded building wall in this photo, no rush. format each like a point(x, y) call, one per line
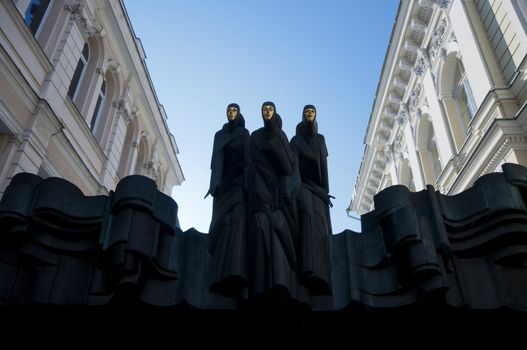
point(77, 101)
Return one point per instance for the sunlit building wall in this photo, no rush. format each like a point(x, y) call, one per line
point(77, 101)
point(451, 101)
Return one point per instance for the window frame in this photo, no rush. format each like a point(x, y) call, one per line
point(462, 87)
point(33, 26)
point(99, 107)
point(84, 61)
point(434, 156)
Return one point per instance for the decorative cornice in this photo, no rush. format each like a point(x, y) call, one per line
point(420, 67)
point(411, 46)
point(500, 153)
point(150, 170)
point(134, 112)
point(444, 4)
point(388, 155)
point(437, 37)
point(414, 98)
point(408, 60)
point(76, 10)
point(417, 25)
point(443, 51)
point(122, 110)
point(426, 3)
point(405, 66)
point(422, 63)
point(386, 126)
point(418, 113)
point(370, 191)
point(114, 66)
point(443, 54)
point(402, 117)
point(394, 98)
point(389, 114)
point(459, 161)
point(397, 145)
point(399, 83)
point(376, 175)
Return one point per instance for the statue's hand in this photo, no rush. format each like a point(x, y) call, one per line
point(212, 192)
point(215, 191)
point(329, 200)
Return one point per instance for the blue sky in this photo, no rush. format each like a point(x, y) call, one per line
point(204, 54)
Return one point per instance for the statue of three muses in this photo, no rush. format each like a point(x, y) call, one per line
point(270, 224)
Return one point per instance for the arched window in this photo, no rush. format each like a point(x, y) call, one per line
point(456, 95)
point(79, 71)
point(161, 178)
point(428, 152)
point(34, 14)
point(142, 154)
point(406, 177)
point(102, 123)
point(4, 138)
point(99, 106)
point(386, 182)
point(466, 107)
point(127, 152)
point(434, 155)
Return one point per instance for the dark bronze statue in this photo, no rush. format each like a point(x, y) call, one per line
point(271, 251)
point(227, 233)
point(313, 203)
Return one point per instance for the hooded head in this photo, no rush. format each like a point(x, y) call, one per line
point(309, 113)
point(308, 126)
point(268, 110)
point(272, 120)
point(232, 111)
point(234, 117)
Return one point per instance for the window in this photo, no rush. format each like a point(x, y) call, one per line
point(406, 175)
point(35, 13)
point(79, 70)
point(434, 157)
point(142, 152)
point(463, 96)
point(127, 151)
point(98, 107)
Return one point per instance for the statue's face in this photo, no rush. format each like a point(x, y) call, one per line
point(232, 113)
point(310, 114)
point(267, 112)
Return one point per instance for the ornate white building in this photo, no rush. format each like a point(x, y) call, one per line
point(76, 98)
point(451, 102)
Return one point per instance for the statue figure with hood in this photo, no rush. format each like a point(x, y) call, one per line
point(271, 249)
point(228, 228)
point(313, 204)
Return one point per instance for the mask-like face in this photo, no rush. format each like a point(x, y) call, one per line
point(267, 112)
point(232, 113)
point(310, 114)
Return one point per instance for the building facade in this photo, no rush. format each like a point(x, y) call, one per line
point(451, 101)
point(77, 101)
